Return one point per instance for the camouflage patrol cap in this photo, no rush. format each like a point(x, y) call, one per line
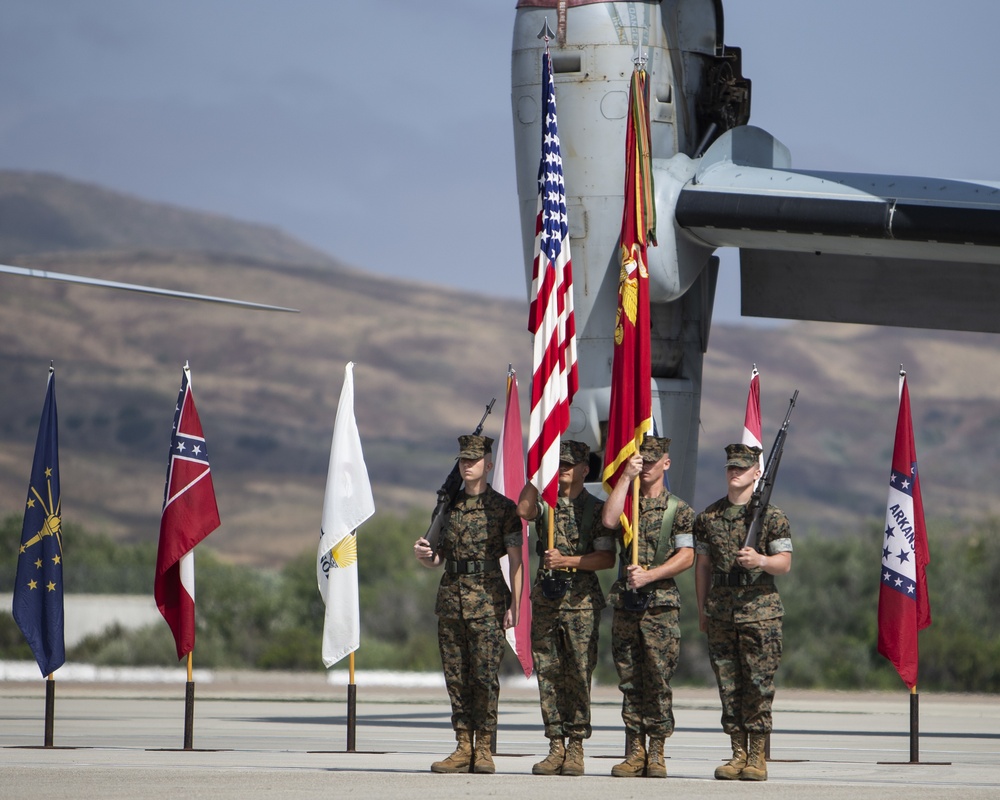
point(654, 448)
point(472, 447)
point(742, 455)
point(571, 452)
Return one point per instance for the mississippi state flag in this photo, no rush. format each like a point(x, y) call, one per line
point(903, 606)
point(189, 515)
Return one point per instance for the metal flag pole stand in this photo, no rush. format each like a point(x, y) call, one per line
point(189, 706)
point(915, 735)
point(352, 707)
point(50, 710)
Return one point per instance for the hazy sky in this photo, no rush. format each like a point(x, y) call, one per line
point(380, 132)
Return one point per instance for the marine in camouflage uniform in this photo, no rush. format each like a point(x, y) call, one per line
point(564, 628)
point(646, 642)
point(474, 605)
point(740, 610)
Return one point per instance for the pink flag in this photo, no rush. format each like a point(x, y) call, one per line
point(751, 422)
point(189, 515)
point(508, 479)
point(903, 605)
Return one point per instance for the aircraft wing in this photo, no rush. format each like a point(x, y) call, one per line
point(135, 287)
point(844, 247)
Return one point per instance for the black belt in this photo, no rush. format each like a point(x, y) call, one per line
point(742, 578)
point(468, 567)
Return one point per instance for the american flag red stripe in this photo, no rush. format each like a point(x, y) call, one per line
point(554, 378)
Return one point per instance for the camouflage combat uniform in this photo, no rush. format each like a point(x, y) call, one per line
point(744, 620)
point(646, 644)
point(471, 605)
point(564, 632)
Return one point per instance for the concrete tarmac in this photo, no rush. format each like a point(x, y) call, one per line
point(264, 734)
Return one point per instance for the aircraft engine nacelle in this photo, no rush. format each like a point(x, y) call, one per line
point(696, 93)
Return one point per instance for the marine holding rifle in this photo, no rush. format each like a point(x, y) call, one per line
point(566, 604)
point(739, 607)
point(645, 628)
point(474, 605)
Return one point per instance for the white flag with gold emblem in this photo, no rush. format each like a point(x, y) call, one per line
point(348, 503)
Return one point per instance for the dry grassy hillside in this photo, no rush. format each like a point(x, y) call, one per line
point(427, 360)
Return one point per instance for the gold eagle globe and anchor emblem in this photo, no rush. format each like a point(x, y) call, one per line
point(628, 290)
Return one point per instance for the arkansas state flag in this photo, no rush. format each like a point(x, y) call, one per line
point(508, 479)
point(903, 605)
point(189, 515)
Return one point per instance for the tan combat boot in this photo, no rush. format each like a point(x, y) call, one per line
point(573, 763)
point(483, 761)
point(756, 768)
point(732, 770)
point(460, 760)
point(552, 764)
point(655, 767)
point(634, 765)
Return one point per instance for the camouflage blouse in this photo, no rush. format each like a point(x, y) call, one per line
point(570, 539)
point(479, 528)
point(651, 510)
point(719, 533)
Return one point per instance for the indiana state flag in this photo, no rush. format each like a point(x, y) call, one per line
point(38, 587)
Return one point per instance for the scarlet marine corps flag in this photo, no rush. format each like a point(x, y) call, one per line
point(630, 414)
point(189, 514)
point(903, 605)
point(550, 318)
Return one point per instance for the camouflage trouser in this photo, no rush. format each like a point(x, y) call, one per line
point(745, 657)
point(646, 646)
point(471, 650)
point(564, 649)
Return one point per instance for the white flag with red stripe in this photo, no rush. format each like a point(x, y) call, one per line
point(508, 479)
point(752, 429)
point(554, 374)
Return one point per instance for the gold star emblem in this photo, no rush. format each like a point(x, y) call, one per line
point(56, 559)
point(51, 587)
point(31, 502)
point(38, 564)
point(48, 472)
point(32, 585)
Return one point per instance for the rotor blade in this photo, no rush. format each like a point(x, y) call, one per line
point(135, 287)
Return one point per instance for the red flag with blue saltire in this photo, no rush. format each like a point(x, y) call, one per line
point(189, 514)
point(550, 318)
point(508, 479)
point(903, 606)
point(630, 414)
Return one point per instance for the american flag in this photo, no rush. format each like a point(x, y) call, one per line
point(189, 514)
point(550, 318)
point(903, 605)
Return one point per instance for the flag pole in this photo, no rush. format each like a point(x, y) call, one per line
point(352, 707)
point(635, 520)
point(50, 710)
point(914, 726)
point(189, 704)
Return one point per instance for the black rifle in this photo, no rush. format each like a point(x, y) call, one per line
point(449, 490)
point(762, 494)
